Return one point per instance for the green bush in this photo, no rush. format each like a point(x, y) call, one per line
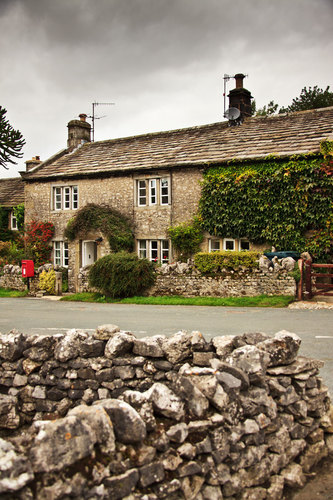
point(122, 274)
point(186, 238)
point(214, 262)
point(47, 281)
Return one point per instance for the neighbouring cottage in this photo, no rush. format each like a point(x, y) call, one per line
point(154, 179)
point(11, 195)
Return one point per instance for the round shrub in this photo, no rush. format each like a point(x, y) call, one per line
point(47, 281)
point(122, 274)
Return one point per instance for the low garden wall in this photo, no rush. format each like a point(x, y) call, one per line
point(183, 279)
point(110, 415)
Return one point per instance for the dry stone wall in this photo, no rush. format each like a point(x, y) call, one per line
point(113, 416)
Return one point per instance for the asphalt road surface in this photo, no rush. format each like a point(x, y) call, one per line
point(40, 316)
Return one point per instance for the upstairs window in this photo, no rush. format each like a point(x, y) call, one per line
point(150, 192)
point(65, 198)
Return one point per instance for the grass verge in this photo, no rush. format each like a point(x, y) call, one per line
point(7, 292)
point(258, 301)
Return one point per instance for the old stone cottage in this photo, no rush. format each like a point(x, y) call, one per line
point(154, 179)
point(11, 195)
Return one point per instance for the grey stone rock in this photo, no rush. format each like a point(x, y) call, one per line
point(293, 476)
point(41, 348)
point(212, 493)
point(288, 263)
point(105, 332)
point(228, 381)
point(149, 346)
point(99, 422)
point(275, 490)
point(165, 401)
point(166, 489)
point(191, 486)
point(250, 359)
point(30, 366)
point(61, 443)
point(178, 433)
point(91, 347)
point(202, 358)
point(151, 473)
point(221, 366)
point(283, 348)
point(15, 469)
point(223, 345)
point(68, 347)
point(301, 364)
point(119, 344)
point(122, 485)
point(9, 416)
point(12, 346)
point(178, 347)
point(128, 425)
point(253, 494)
point(312, 455)
point(187, 451)
point(196, 402)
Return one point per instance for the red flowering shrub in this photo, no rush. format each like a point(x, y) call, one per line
point(37, 237)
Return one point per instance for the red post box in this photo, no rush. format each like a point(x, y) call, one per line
point(28, 270)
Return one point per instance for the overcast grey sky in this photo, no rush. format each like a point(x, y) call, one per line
point(160, 61)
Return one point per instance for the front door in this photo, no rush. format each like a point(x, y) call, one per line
point(89, 253)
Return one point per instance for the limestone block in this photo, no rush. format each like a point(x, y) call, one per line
point(128, 425)
point(15, 469)
point(165, 401)
point(119, 344)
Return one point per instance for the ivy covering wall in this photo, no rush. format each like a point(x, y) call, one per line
point(288, 204)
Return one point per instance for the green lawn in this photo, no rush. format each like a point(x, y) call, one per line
point(7, 292)
point(259, 301)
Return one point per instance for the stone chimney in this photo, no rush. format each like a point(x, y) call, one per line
point(30, 164)
point(78, 132)
point(240, 98)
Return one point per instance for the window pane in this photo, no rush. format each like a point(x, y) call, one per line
point(75, 197)
point(65, 261)
point(142, 200)
point(154, 250)
point(152, 192)
point(142, 249)
point(57, 198)
point(57, 253)
point(244, 245)
point(165, 251)
point(67, 198)
point(13, 222)
point(229, 244)
point(164, 191)
point(214, 245)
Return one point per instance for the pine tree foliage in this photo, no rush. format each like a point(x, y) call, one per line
point(11, 141)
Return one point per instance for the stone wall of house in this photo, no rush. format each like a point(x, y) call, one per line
point(117, 416)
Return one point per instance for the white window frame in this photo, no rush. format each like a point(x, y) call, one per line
point(155, 250)
point(13, 222)
point(60, 253)
point(227, 240)
point(167, 187)
point(210, 247)
point(153, 191)
point(65, 198)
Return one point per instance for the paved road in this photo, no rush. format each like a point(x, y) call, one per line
point(315, 327)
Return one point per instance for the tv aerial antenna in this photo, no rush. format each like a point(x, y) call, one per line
point(93, 117)
point(232, 114)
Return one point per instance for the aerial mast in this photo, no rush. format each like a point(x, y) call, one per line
point(94, 104)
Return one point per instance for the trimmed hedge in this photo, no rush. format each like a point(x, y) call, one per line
point(122, 274)
point(215, 262)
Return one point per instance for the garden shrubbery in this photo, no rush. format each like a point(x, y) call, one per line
point(122, 274)
point(215, 262)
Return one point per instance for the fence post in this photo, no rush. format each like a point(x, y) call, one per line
point(300, 283)
point(308, 283)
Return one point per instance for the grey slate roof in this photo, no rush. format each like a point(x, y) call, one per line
point(258, 137)
point(11, 192)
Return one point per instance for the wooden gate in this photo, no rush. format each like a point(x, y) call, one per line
point(318, 283)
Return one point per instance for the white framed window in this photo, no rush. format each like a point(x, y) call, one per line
point(214, 245)
point(164, 186)
point(65, 197)
point(229, 244)
point(142, 193)
point(155, 191)
point(13, 222)
point(154, 250)
point(244, 245)
point(152, 192)
point(60, 253)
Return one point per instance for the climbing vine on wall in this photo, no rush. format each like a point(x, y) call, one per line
point(288, 204)
point(107, 220)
